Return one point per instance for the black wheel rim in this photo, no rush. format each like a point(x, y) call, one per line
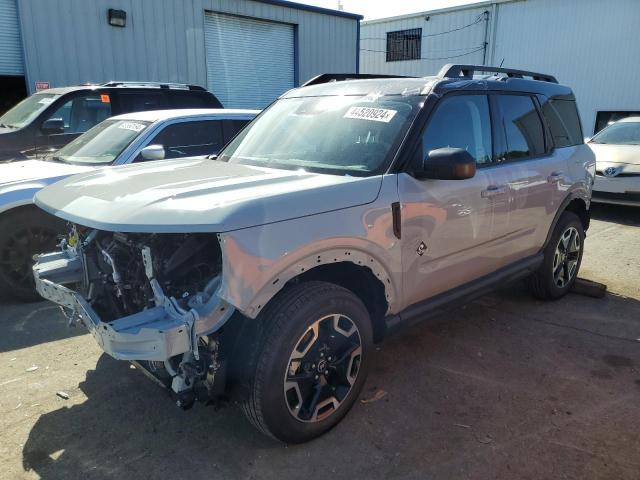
point(322, 368)
point(16, 253)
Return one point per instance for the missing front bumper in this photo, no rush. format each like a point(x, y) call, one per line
point(158, 333)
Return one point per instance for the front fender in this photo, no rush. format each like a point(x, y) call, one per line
point(17, 197)
point(257, 262)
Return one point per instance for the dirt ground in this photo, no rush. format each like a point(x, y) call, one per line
point(506, 387)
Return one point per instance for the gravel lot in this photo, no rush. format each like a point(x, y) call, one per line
point(506, 387)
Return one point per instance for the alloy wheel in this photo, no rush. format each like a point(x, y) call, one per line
point(322, 368)
point(566, 256)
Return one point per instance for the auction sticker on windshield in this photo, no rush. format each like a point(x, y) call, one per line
point(135, 127)
point(369, 113)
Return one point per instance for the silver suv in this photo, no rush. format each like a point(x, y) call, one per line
point(347, 208)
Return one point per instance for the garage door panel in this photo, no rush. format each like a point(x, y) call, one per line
point(249, 62)
point(10, 48)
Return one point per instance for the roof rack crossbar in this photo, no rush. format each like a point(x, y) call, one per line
point(339, 77)
point(456, 71)
point(177, 86)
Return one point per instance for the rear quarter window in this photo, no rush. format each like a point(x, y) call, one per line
point(564, 122)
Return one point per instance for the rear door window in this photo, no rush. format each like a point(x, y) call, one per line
point(460, 121)
point(141, 101)
point(186, 139)
point(522, 127)
point(230, 128)
point(192, 99)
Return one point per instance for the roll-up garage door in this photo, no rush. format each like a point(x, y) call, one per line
point(249, 62)
point(10, 47)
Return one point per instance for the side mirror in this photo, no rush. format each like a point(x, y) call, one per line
point(153, 152)
point(52, 126)
point(447, 164)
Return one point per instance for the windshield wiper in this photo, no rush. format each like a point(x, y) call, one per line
point(6, 125)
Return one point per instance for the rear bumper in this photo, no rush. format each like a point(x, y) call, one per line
point(157, 333)
point(617, 190)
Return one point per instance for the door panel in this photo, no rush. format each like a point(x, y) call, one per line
point(536, 173)
point(453, 230)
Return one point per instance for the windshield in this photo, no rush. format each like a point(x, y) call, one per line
point(103, 143)
point(28, 109)
point(341, 135)
point(624, 133)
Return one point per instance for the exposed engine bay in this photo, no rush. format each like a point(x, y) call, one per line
point(117, 281)
point(148, 298)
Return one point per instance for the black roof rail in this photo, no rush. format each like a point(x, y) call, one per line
point(168, 85)
point(453, 70)
point(339, 77)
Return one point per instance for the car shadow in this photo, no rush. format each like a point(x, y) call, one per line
point(440, 381)
point(621, 214)
point(23, 325)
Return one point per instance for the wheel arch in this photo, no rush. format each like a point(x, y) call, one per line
point(575, 203)
point(352, 268)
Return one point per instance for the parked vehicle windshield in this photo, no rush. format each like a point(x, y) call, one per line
point(624, 133)
point(28, 109)
point(341, 135)
point(102, 144)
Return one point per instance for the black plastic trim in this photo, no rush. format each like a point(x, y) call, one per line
point(464, 293)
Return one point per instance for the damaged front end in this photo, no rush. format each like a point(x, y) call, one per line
point(147, 298)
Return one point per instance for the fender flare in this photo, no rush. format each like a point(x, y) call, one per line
point(320, 258)
point(574, 195)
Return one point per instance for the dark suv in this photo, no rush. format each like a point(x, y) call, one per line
point(48, 120)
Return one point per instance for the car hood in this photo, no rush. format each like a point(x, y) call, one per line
point(30, 172)
point(199, 195)
point(624, 157)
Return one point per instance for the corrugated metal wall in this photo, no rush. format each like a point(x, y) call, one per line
point(10, 46)
point(69, 41)
point(590, 45)
point(462, 44)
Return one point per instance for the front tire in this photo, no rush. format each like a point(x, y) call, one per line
point(562, 259)
point(24, 234)
point(312, 360)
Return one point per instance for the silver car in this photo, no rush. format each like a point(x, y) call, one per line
point(349, 207)
point(131, 138)
point(617, 150)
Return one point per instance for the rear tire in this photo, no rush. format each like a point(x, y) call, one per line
point(23, 234)
point(311, 361)
point(562, 259)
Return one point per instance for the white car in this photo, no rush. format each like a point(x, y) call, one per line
point(617, 150)
point(133, 137)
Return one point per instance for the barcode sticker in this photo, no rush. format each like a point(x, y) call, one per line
point(136, 127)
point(368, 113)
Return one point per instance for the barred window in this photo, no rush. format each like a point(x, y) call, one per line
point(404, 45)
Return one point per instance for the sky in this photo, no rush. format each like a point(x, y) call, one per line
point(372, 9)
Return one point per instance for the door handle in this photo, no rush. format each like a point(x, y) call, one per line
point(493, 191)
point(555, 177)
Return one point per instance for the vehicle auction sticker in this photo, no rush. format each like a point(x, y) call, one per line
point(136, 127)
point(369, 113)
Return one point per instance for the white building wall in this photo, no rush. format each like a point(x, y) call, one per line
point(590, 45)
point(464, 45)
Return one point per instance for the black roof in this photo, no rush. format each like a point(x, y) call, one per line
point(450, 78)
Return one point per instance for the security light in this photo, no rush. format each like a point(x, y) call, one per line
point(117, 18)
